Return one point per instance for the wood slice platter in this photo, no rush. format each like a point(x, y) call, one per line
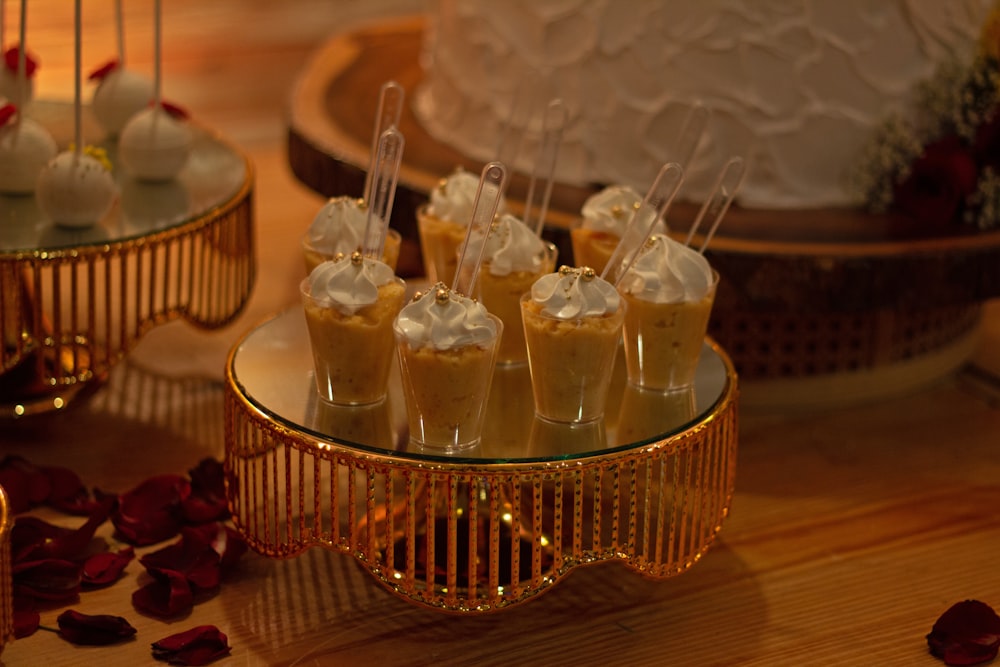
point(816, 307)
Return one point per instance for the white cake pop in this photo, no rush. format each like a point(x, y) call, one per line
point(120, 94)
point(25, 148)
point(154, 145)
point(75, 189)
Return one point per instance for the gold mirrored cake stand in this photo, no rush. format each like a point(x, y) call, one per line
point(6, 576)
point(74, 302)
point(487, 528)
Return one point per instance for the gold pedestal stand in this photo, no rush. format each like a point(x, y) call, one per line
point(488, 528)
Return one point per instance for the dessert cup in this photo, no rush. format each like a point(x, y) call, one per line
point(646, 414)
point(571, 361)
point(663, 341)
point(502, 296)
point(390, 253)
point(357, 424)
point(439, 243)
point(352, 354)
point(446, 390)
point(592, 248)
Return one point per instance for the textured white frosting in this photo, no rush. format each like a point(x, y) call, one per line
point(339, 226)
point(25, 149)
point(75, 190)
point(567, 295)
point(667, 271)
point(456, 322)
point(510, 246)
point(795, 87)
point(454, 196)
point(610, 211)
point(346, 285)
point(119, 95)
point(154, 146)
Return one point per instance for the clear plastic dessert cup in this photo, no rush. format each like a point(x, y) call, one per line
point(592, 248)
point(663, 341)
point(439, 243)
point(502, 296)
point(353, 353)
point(571, 361)
point(446, 390)
point(313, 256)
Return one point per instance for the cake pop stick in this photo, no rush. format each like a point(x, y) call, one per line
point(384, 174)
point(727, 185)
point(22, 64)
point(157, 55)
point(492, 183)
point(120, 32)
point(654, 207)
point(390, 108)
point(554, 122)
point(77, 87)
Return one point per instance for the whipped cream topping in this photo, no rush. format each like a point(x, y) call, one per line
point(572, 293)
point(510, 246)
point(348, 283)
point(444, 319)
point(339, 226)
point(454, 197)
point(667, 271)
point(610, 211)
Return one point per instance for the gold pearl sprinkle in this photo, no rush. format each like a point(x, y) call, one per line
point(587, 273)
point(362, 204)
point(441, 297)
point(338, 256)
point(617, 211)
point(565, 270)
point(418, 295)
point(356, 258)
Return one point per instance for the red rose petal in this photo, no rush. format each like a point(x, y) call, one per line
point(174, 110)
point(104, 70)
point(105, 568)
point(49, 579)
point(193, 555)
point(26, 617)
point(24, 479)
point(197, 646)
point(35, 539)
point(168, 595)
point(968, 633)
point(207, 501)
point(68, 494)
point(93, 630)
point(151, 512)
point(7, 112)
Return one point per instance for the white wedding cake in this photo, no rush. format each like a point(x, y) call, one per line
point(794, 86)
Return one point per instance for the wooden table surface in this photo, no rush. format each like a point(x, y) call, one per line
point(850, 532)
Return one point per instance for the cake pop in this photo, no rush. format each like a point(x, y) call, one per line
point(120, 92)
point(14, 88)
point(25, 148)
point(155, 143)
point(76, 188)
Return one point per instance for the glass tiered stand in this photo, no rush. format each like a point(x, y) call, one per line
point(491, 527)
point(73, 302)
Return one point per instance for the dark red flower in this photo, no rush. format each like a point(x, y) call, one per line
point(197, 646)
point(169, 594)
point(10, 58)
point(967, 634)
point(986, 144)
point(7, 111)
point(105, 568)
point(151, 512)
point(207, 501)
point(49, 579)
point(104, 70)
point(93, 630)
point(938, 183)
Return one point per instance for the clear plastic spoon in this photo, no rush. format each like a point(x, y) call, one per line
point(727, 185)
point(654, 206)
point(522, 106)
point(388, 113)
point(492, 183)
point(548, 153)
point(690, 135)
point(384, 174)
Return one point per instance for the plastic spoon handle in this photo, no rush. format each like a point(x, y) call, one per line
point(727, 185)
point(690, 134)
point(385, 175)
point(521, 107)
point(492, 183)
point(654, 207)
point(554, 122)
point(390, 108)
